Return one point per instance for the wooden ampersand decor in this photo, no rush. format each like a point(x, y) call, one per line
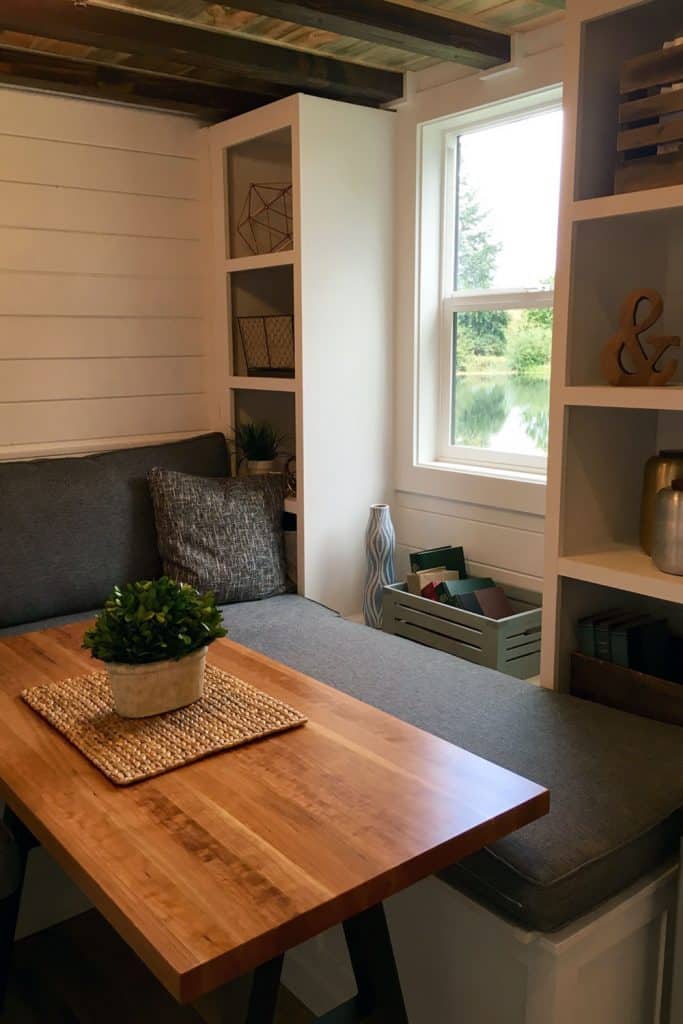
point(631, 361)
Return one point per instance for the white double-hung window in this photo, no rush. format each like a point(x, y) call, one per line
point(501, 177)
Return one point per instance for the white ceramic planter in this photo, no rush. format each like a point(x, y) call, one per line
point(144, 690)
point(261, 467)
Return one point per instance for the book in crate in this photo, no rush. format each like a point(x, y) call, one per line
point(650, 137)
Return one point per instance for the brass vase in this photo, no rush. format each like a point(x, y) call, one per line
point(660, 470)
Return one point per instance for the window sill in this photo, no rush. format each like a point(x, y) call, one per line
point(487, 486)
point(483, 469)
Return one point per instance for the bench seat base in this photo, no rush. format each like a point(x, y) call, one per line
point(461, 964)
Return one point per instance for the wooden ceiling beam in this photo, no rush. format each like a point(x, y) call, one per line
point(77, 77)
point(389, 24)
point(253, 65)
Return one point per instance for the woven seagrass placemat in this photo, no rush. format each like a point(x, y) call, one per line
point(127, 750)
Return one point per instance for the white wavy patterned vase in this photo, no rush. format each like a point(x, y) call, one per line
point(380, 547)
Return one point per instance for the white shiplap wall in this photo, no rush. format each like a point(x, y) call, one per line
point(506, 545)
point(101, 330)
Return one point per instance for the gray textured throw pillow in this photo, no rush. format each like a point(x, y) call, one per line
point(223, 535)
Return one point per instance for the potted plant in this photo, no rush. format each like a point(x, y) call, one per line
point(258, 444)
point(152, 636)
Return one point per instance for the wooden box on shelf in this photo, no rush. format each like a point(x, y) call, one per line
point(511, 645)
point(626, 689)
point(650, 139)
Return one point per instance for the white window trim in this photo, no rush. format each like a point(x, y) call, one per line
point(446, 455)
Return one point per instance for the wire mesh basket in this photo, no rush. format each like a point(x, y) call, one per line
point(268, 345)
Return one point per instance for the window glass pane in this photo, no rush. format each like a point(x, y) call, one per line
point(508, 186)
point(501, 381)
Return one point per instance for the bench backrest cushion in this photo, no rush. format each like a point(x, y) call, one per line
point(72, 528)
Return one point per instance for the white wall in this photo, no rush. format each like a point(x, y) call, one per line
point(498, 521)
point(100, 290)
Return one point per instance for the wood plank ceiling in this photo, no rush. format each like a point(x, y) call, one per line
point(215, 60)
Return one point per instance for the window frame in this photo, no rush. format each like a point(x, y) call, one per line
point(454, 301)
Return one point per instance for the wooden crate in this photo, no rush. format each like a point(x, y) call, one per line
point(511, 645)
point(650, 117)
point(626, 689)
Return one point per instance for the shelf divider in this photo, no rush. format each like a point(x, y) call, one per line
point(626, 204)
point(624, 567)
point(603, 396)
point(262, 384)
point(261, 262)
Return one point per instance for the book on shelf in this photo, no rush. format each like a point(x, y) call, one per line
point(642, 644)
point(605, 630)
point(587, 629)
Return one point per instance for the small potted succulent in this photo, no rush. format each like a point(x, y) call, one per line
point(152, 636)
point(257, 444)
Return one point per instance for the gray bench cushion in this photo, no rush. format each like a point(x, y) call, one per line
point(616, 781)
point(72, 528)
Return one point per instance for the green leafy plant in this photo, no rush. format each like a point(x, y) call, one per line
point(257, 441)
point(529, 348)
point(153, 620)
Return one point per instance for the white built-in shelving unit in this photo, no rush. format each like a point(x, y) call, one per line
point(601, 436)
point(336, 280)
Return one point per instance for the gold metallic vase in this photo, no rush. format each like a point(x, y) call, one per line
point(660, 470)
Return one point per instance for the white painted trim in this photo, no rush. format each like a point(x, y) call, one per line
point(453, 302)
point(538, 71)
point(448, 948)
point(676, 1005)
point(55, 449)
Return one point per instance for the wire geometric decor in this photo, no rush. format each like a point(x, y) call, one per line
point(266, 224)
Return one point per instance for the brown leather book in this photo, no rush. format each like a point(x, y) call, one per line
point(493, 603)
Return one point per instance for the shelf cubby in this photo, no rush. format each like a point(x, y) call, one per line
point(262, 160)
point(579, 598)
point(606, 452)
point(607, 42)
point(612, 257)
point(255, 293)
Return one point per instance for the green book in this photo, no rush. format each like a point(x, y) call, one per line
point(604, 633)
point(643, 645)
point(587, 626)
point(448, 557)
point(622, 641)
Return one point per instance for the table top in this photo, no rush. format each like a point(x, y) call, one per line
point(218, 866)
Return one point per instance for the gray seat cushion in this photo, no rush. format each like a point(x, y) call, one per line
point(616, 780)
point(72, 528)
